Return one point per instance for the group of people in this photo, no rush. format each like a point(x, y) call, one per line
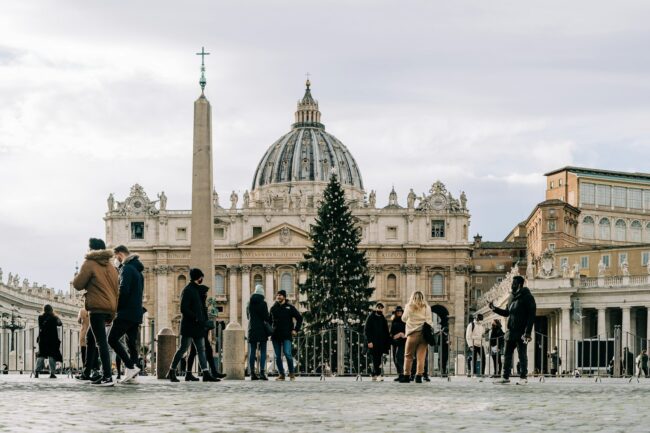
point(409, 336)
point(281, 323)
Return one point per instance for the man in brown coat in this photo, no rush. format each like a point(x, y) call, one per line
point(99, 278)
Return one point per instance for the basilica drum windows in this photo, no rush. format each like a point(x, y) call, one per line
point(286, 283)
point(437, 285)
point(588, 227)
point(437, 229)
point(137, 230)
point(605, 229)
point(219, 284)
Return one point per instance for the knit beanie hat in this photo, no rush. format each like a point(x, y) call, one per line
point(259, 289)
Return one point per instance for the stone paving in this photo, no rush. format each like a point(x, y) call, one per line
point(335, 405)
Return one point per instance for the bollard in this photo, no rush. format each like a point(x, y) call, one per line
point(165, 352)
point(233, 352)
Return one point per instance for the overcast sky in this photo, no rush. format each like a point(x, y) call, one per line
point(485, 96)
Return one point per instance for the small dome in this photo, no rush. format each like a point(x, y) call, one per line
point(307, 153)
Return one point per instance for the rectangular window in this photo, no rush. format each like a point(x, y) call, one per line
point(391, 232)
point(606, 260)
point(478, 267)
point(552, 184)
point(137, 230)
point(646, 199)
point(551, 226)
point(551, 246)
point(219, 233)
point(181, 233)
point(645, 257)
point(437, 228)
point(635, 198)
point(622, 258)
point(603, 195)
point(257, 230)
point(584, 262)
point(559, 182)
point(564, 262)
point(619, 196)
point(587, 193)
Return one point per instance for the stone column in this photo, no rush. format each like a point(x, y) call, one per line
point(625, 328)
point(234, 351)
point(269, 290)
point(165, 352)
point(411, 281)
point(232, 294)
point(162, 297)
point(647, 332)
point(530, 351)
point(602, 323)
point(245, 294)
point(566, 343)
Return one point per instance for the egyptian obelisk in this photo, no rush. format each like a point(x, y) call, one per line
point(202, 249)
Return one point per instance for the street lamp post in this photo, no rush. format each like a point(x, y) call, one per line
point(13, 323)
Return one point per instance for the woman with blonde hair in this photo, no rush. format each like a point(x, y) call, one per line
point(416, 313)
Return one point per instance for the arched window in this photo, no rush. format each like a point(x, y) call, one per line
point(635, 231)
point(181, 282)
point(219, 285)
point(257, 279)
point(391, 285)
point(588, 227)
point(437, 285)
point(605, 229)
point(619, 230)
point(286, 282)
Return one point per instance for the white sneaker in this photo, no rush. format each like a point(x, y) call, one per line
point(522, 381)
point(374, 378)
point(380, 378)
point(130, 374)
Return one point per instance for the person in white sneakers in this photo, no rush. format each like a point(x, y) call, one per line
point(474, 338)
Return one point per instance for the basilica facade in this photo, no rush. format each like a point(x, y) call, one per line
point(260, 237)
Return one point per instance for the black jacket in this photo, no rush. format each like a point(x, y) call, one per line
point(282, 317)
point(376, 331)
point(48, 337)
point(496, 337)
point(129, 304)
point(193, 319)
point(258, 317)
point(398, 326)
point(520, 312)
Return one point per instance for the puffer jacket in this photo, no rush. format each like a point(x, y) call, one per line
point(99, 278)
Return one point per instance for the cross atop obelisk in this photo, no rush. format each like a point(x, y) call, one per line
point(202, 81)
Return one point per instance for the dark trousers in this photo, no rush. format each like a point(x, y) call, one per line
point(398, 358)
point(477, 353)
point(496, 361)
point(129, 329)
point(82, 349)
point(186, 341)
point(377, 355)
point(98, 342)
point(523, 358)
point(209, 356)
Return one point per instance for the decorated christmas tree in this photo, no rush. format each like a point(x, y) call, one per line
point(337, 285)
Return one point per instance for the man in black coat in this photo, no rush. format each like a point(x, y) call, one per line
point(209, 354)
point(129, 311)
point(283, 315)
point(398, 334)
point(377, 338)
point(496, 346)
point(48, 341)
point(520, 312)
point(194, 322)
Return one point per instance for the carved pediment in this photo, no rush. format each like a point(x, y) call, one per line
point(284, 235)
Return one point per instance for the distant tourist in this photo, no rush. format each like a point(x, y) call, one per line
point(209, 354)
point(84, 320)
point(556, 361)
point(129, 312)
point(496, 346)
point(398, 334)
point(49, 345)
point(377, 339)
point(194, 322)
point(259, 331)
point(99, 278)
point(474, 338)
point(416, 314)
point(520, 312)
point(642, 363)
point(286, 322)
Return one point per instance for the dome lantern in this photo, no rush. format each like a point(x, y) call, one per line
point(307, 113)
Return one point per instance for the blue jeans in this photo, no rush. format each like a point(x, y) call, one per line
point(40, 364)
point(279, 347)
point(252, 348)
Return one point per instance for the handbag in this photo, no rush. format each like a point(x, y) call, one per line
point(427, 333)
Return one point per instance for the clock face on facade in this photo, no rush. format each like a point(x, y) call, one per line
point(438, 202)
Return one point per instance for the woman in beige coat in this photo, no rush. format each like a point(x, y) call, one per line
point(416, 313)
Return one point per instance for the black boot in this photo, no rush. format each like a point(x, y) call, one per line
point(403, 378)
point(189, 377)
point(207, 377)
point(172, 376)
point(263, 376)
point(218, 375)
point(426, 378)
point(418, 379)
point(254, 376)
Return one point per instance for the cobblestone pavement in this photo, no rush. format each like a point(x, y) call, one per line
point(335, 405)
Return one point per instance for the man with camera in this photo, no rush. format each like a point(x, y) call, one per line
point(520, 312)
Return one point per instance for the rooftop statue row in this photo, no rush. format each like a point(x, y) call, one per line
point(14, 283)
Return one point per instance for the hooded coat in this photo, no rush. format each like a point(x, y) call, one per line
point(376, 331)
point(282, 319)
point(49, 344)
point(98, 277)
point(194, 317)
point(258, 319)
point(520, 312)
point(129, 305)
